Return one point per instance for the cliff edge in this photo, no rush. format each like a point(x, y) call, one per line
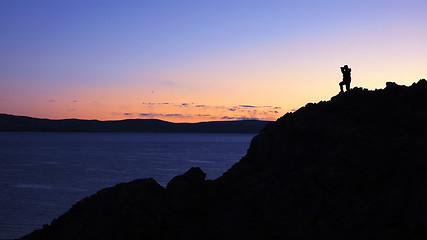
point(354, 167)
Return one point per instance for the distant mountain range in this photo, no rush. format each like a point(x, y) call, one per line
point(21, 123)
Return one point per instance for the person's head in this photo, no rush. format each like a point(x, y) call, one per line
point(345, 66)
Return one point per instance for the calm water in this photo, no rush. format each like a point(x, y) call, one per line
point(43, 174)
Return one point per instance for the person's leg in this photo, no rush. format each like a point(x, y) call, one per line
point(347, 86)
point(341, 86)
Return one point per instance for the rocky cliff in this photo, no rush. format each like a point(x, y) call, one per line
point(354, 167)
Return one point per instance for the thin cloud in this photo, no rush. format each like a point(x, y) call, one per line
point(74, 101)
point(151, 115)
point(228, 118)
point(160, 115)
point(203, 111)
point(154, 103)
point(128, 114)
point(51, 101)
point(247, 118)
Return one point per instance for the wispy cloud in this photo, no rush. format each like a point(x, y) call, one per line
point(247, 106)
point(228, 118)
point(156, 115)
point(51, 101)
point(190, 110)
point(174, 115)
point(247, 118)
point(153, 103)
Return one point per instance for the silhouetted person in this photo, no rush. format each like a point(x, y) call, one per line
point(346, 78)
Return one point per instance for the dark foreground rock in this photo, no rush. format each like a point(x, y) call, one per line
point(354, 167)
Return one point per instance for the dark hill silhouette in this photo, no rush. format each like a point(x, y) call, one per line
point(354, 167)
point(21, 123)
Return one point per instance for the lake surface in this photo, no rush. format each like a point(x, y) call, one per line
point(43, 174)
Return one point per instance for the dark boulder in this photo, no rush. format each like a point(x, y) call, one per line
point(186, 192)
point(190, 182)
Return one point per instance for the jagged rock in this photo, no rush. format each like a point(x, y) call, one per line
point(189, 182)
point(354, 167)
point(186, 191)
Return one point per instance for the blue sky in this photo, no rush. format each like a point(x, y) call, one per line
point(196, 51)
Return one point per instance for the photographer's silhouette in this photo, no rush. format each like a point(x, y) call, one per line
point(346, 78)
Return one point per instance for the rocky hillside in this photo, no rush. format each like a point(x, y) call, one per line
point(354, 167)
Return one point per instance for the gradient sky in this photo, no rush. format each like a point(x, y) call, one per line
point(190, 61)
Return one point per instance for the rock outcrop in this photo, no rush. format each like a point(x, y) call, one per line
point(354, 167)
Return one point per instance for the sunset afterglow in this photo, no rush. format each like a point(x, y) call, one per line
point(192, 61)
